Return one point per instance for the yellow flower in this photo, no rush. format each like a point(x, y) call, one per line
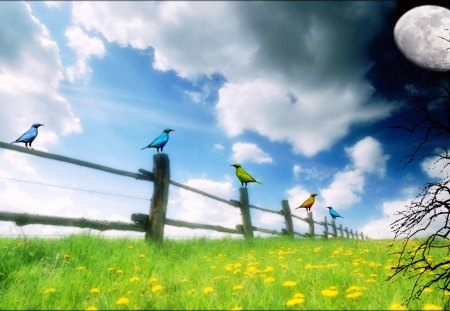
point(134, 279)
point(427, 290)
point(191, 291)
point(157, 288)
point(49, 290)
point(130, 246)
point(141, 255)
point(295, 301)
point(122, 301)
point(447, 292)
point(153, 280)
point(94, 290)
point(269, 279)
point(329, 292)
point(354, 295)
point(119, 271)
point(236, 308)
point(317, 249)
point(80, 268)
point(238, 287)
point(268, 269)
point(371, 281)
point(429, 307)
point(183, 280)
point(299, 295)
point(397, 307)
point(289, 283)
point(90, 309)
point(208, 290)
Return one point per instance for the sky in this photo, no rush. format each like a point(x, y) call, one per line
point(303, 95)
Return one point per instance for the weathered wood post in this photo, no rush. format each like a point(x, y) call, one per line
point(325, 228)
point(245, 212)
point(158, 207)
point(311, 224)
point(286, 211)
point(346, 233)
point(351, 233)
point(362, 236)
point(356, 235)
point(342, 231)
point(333, 226)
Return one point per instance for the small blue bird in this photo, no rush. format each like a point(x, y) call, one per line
point(28, 136)
point(333, 213)
point(160, 141)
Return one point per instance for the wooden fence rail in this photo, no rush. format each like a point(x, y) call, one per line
point(153, 223)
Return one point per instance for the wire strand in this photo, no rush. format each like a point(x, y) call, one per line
point(75, 189)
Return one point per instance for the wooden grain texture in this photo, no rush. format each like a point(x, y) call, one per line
point(245, 213)
point(286, 211)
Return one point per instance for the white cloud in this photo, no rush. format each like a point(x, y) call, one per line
point(320, 60)
point(84, 47)
point(434, 168)
point(243, 152)
point(218, 147)
point(53, 4)
point(30, 73)
point(367, 157)
point(296, 170)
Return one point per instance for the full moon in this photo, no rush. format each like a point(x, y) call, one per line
point(421, 35)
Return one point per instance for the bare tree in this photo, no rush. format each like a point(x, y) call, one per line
point(429, 213)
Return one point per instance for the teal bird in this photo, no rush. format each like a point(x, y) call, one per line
point(29, 136)
point(160, 141)
point(333, 213)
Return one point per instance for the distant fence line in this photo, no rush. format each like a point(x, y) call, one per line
point(153, 223)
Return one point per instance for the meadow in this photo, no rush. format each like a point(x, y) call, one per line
point(86, 272)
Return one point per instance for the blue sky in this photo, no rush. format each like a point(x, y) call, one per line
point(301, 94)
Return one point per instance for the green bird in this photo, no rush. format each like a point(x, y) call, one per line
point(243, 176)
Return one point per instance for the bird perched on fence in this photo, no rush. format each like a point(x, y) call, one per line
point(160, 141)
point(308, 203)
point(333, 213)
point(243, 176)
point(29, 136)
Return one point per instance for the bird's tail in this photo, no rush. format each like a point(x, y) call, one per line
point(13, 142)
point(144, 148)
point(258, 182)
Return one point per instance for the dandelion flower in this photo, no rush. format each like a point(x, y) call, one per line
point(80, 268)
point(119, 271)
point(134, 279)
point(153, 280)
point(447, 292)
point(130, 246)
point(141, 255)
point(329, 292)
point(238, 308)
point(122, 301)
point(269, 280)
point(289, 284)
point(208, 290)
point(354, 295)
point(90, 309)
point(238, 287)
point(157, 288)
point(397, 307)
point(430, 307)
point(295, 301)
point(371, 281)
point(49, 290)
point(268, 269)
point(94, 290)
point(427, 290)
point(299, 295)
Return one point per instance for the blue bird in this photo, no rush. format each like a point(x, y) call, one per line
point(160, 141)
point(28, 136)
point(333, 213)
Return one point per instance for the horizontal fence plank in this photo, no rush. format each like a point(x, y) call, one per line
point(267, 230)
point(22, 219)
point(74, 161)
point(265, 209)
point(301, 234)
point(179, 223)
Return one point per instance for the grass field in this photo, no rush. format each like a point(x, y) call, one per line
point(90, 273)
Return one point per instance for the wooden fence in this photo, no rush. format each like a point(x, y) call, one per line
point(153, 223)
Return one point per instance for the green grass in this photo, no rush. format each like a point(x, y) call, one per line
point(122, 268)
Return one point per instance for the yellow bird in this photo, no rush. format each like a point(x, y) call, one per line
point(243, 176)
point(308, 203)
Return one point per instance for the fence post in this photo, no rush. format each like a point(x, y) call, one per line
point(362, 236)
point(158, 207)
point(245, 212)
point(356, 234)
point(286, 210)
point(340, 229)
point(346, 233)
point(333, 225)
point(311, 224)
point(325, 225)
point(351, 233)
